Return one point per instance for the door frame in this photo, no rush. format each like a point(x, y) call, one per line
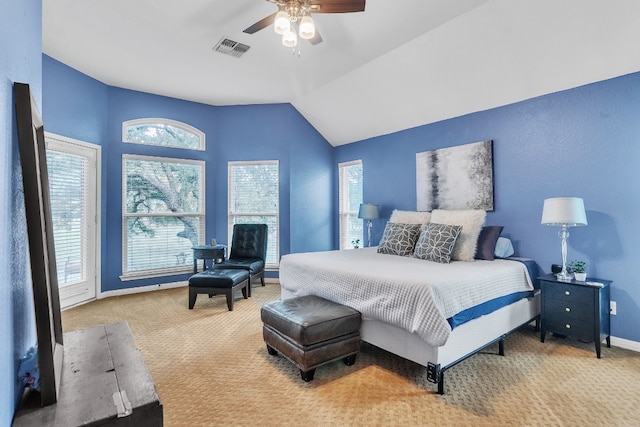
point(98, 207)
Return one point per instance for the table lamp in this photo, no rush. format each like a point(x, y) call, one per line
point(368, 211)
point(564, 212)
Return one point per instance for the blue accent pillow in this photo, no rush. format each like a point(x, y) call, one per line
point(486, 247)
point(504, 248)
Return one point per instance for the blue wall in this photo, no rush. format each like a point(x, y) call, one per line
point(583, 142)
point(20, 61)
point(95, 112)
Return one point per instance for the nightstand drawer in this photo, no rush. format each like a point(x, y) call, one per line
point(578, 329)
point(568, 293)
point(568, 310)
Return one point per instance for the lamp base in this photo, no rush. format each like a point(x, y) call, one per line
point(566, 277)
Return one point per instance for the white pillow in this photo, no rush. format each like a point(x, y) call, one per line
point(409, 217)
point(504, 248)
point(471, 222)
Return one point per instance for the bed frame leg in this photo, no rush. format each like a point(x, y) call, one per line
point(501, 347)
point(436, 375)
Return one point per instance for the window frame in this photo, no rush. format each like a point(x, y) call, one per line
point(167, 271)
point(168, 122)
point(343, 203)
point(232, 215)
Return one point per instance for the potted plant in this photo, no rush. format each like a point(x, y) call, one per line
point(355, 243)
point(579, 269)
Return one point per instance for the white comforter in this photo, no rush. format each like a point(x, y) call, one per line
point(410, 293)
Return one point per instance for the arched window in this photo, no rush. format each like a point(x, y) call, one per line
point(163, 133)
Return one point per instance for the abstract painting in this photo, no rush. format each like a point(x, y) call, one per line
point(458, 177)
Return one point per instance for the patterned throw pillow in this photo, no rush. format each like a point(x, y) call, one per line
point(436, 242)
point(399, 239)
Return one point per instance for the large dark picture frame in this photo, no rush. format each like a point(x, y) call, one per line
point(44, 274)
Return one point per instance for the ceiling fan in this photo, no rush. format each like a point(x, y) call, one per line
point(297, 13)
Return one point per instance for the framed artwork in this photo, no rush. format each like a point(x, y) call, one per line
point(459, 177)
point(44, 274)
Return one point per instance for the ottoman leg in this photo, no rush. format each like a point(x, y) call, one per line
point(246, 289)
point(308, 375)
point(272, 351)
point(192, 298)
point(229, 293)
point(350, 360)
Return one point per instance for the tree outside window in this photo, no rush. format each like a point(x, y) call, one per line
point(163, 214)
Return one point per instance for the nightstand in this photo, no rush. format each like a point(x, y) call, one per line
point(575, 309)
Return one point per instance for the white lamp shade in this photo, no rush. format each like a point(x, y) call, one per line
point(290, 38)
point(368, 211)
point(307, 27)
point(567, 211)
point(282, 23)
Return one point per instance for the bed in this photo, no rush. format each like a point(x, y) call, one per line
point(412, 307)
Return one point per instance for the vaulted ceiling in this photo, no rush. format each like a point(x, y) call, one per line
point(397, 65)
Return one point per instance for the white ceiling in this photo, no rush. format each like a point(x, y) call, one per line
point(399, 64)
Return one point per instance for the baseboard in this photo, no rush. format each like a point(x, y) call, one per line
point(140, 289)
point(627, 344)
point(161, 286)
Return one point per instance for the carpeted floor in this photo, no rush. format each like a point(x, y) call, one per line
point(211, 368)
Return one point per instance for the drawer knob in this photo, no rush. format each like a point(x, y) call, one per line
point(568, 326)
point(567, 309)
point(567, 293)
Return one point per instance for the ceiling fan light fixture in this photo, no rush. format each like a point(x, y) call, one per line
point(290, 38)
point(282, 23)
point(307, 27)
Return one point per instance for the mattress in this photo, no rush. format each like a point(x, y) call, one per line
point(416, 295)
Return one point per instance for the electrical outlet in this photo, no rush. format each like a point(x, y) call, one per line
point(612, 307)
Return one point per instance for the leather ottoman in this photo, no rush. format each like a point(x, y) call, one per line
point(311, 331)
point(219, 281)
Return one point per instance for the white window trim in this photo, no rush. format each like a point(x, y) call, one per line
point(231, 215)
point(151, 121)
point(126, 275)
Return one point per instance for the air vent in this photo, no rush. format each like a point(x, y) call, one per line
point(230, 47)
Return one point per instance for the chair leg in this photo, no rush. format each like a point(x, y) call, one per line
point(192, 298)
point(262, 278)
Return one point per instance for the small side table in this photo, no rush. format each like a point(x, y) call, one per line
point(217, 253)
point(575, 309)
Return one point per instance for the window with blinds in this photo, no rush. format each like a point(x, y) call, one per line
point(254, 199)
point(164, 133)
point(162, 214)
point(350, 197)
point(67, 187)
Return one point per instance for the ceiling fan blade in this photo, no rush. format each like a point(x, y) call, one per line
point(337, 6)
point(316, 39)
point(261, 24)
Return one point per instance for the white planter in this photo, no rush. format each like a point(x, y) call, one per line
point(580, 277)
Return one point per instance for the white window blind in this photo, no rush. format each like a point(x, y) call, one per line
point(350, 197)
point(254, 199)
point(164, 133)
point(68, 186)
point(162, 214)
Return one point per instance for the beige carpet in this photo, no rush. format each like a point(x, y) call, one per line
point(211, 368)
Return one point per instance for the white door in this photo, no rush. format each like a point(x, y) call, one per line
point(74, 186)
